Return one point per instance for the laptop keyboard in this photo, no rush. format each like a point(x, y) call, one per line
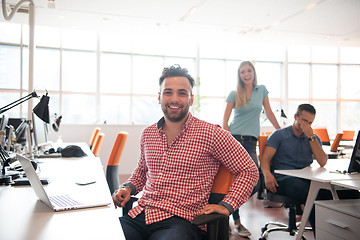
point(63, 201)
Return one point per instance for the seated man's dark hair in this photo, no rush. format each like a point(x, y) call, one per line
point(305, 107)
point(176, 71)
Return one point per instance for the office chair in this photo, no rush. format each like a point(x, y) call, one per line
point(93, 136)
point(334, 147)
point(261, 144)
point(112, 168)
point(97, 144)
point(217, 224)
point(323, 135)
point(336, 142)
point(348, 135)
point(287, 202)
point(292, 225)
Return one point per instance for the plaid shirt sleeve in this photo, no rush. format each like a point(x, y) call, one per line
point(236, 159)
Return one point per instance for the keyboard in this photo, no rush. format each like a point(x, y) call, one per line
point(63, 201)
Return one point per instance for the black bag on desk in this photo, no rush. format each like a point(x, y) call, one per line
point(71, 151)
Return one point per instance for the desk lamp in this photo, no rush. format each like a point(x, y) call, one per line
point(282, 115)
point(42, 111)
point(56, 123)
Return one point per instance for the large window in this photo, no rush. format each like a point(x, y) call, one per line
point(113, 78)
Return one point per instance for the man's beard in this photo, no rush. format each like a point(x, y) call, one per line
point(177, 117)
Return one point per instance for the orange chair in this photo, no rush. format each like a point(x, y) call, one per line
point(348, 135)
point(336, 142)
point(93, 136)
point(323, 135)
point(97, 144)
point(217, 224)
point(262, 143)
point(112, 169)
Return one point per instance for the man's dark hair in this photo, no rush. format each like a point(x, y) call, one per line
point(176, 71)
point(305, 107)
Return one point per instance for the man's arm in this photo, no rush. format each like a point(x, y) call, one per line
point(319, 154)
point(270, 181)
point(236, 159)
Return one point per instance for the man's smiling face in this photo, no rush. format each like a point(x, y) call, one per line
point(175, 97)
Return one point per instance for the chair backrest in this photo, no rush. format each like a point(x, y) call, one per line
point(336, 142)
point(222, 182)
point(262, 143)
point(323, 135)
point(93, 136)
point(348, 135)
point(112, 169)
point(97, 144)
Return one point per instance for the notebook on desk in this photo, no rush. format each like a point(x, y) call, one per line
point(58, 202)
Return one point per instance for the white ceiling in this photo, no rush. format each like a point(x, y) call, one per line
point(325, 22)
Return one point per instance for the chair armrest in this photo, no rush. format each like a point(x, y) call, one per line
point(129, 205)
point(208, 218)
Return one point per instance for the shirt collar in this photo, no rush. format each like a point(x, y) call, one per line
point(187, 123)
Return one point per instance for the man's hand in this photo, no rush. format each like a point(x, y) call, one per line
point(306, 127)
point(214, 208)
point(121, 196)
point(270, 182)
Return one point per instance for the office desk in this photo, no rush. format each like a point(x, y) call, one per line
point(24, 217)
point(352, 184)
point(320, 177)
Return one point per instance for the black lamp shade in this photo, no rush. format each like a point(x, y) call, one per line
point(42, 109)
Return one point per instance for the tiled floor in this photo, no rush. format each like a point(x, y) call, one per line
point(254, 214)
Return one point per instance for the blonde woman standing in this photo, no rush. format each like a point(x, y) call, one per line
point(247, 102)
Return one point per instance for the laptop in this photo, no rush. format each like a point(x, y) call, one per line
point(59, 202)
point(354, 165)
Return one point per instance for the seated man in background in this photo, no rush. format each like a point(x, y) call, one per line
point(179, 158)
point(295, 147)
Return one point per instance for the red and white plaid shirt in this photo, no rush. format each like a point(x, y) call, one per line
point(177, 179)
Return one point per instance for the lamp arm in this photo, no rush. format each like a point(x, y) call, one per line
point(17, 6)
point(17, 102)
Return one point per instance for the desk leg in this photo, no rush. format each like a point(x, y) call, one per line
point(334, 193)
point(315, 186)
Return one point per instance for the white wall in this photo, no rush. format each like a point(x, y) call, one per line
point(82, 133)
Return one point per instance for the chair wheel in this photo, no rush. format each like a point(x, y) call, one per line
point(262, 238)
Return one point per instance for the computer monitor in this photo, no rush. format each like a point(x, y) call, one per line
point(39, 131)
point(19, 125)
point(354, 165)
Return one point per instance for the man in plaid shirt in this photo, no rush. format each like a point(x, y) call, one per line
point(180, 156)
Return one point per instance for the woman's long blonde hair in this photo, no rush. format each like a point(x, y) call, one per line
point(240, 95)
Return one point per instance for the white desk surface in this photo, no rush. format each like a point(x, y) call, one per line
point(24, 217)
point(323, 174)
